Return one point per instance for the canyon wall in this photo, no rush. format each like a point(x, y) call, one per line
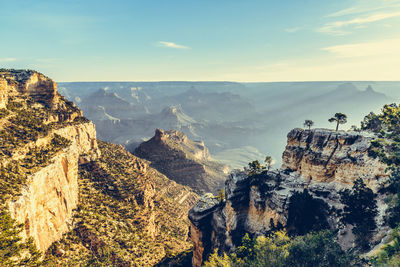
point(49, 194)
point(322, 161)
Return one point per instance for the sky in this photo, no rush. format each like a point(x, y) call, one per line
point(203, 40)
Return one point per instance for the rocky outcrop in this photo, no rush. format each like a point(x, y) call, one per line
point(3, 92)
point(46, 138)
point(184, 161)
point(33, 84)
point(322, 161)
point(322, 155)
point(50, 195)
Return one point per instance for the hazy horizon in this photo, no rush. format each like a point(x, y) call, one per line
point(222, 81)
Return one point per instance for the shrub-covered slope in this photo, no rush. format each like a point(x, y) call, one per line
point(129, 214)
point(185, 161)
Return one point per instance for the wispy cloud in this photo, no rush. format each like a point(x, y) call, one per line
point(388, 47)
point(339, 27)
point(172, 45)
point(294, 29)
point(366, 6)
point(8, 59)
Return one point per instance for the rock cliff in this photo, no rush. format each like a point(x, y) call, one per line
point(80, 199)
point(43, 138)
point(50, 195)
point(184, 161)
point(29, 83)
point(321, 161)
point(325, 156)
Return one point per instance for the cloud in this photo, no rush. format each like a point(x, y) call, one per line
point(388, 47)
point(365, 6)
point(374, 60)
point(336, 27)
point(347, 11)
point(291, 30)
point(172, 45)
point(8, 59)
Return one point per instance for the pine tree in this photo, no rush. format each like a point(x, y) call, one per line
point(360, 209)
point(13, 251)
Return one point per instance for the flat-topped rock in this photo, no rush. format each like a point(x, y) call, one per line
point(325, 155)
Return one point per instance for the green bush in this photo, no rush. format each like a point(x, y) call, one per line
point(14, 251)
point(306, 214)
point(279, 250)
point(14, 106)
point(318, 249)
point(390, 254)
point(3, 113)
point(360, 209)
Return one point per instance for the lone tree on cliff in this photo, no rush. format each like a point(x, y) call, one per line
point(308, 123)
point(339, 118)
point(268, 162)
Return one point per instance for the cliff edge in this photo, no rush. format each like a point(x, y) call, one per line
point(43, 138)
point(320, 161)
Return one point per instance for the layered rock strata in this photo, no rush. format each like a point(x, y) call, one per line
point(29, 83)
point(323, 156)
point(322, 161)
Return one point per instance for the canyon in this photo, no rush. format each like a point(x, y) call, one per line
point(238, 122)
point(83, 200)
point(71, 191)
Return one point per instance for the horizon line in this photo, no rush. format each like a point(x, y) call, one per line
point(221, 81)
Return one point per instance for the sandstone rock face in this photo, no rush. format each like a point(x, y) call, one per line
point(3, 92)
point(184, 161)
point(324, 156)
point(201, 216)
point(321, 161)
point(33, 84)
point(45, 202)
point(51, 194)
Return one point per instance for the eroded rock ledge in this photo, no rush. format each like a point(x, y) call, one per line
point(323, 155)
point(321, 161)
point(27, 83)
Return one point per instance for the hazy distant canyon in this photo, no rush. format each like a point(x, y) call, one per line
point(238, 122)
